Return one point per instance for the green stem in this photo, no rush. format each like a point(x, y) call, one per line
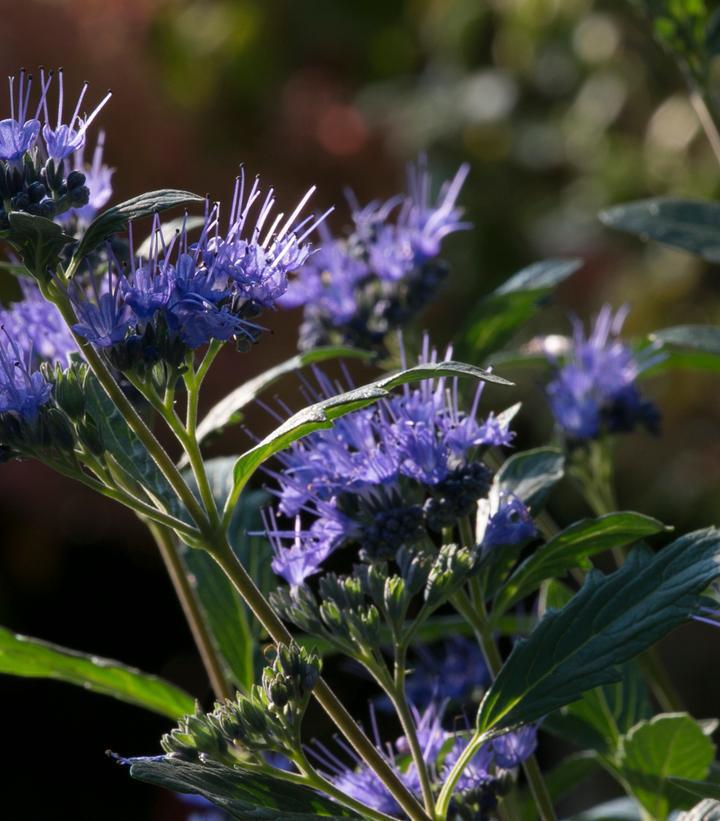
point(191, 608)
point(443, 803)
point(399, 700)
point(224, 556)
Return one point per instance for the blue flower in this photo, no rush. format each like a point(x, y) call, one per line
point(507, 520)
point(511, 749)
point(594, 390)
point(358, 287)
point(452, 670)
point(23, 391)
point(19, 132)
point(105, 321)
point(383, 477)
point(37, 327)
point(65, 139)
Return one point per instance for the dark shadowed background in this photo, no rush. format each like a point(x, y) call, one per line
point(560, 106)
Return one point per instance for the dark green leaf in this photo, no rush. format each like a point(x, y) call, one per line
point(247, 796)
point(668, 745)
point(116, 218)
point(227, 411)
point(701, 789)
point(572, 548)
point(609, 621)
point(531, 474)
point(32, 658)
point(691, 225)
point(322, 414)
point(514, 303)
point(39, 242)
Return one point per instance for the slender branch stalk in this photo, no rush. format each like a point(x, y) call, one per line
point(191, 608)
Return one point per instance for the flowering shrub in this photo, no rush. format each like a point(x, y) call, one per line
point(399, 526)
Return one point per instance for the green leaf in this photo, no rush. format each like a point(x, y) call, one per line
point(116, 218)
point(670, 744)
point(531, 475)
point(609, 621)
point(699, 788)
point(33, 658)
point(227, 411)
point(573, 548)
point(247, 796)
point(39, 242)
point(704, 338)
point(512, 304)
point(322, 414)
point(691, 225)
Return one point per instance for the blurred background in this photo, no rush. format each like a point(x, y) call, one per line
point(561, 107)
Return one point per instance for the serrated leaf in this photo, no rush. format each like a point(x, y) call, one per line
point(38, 240)
point(572, 548)
point(227, 410)
point(532, 474)
point(512, 304)
point(609, 621)
point(691, 225)
point(322, 414)
point(33, 658)
point(670, 744)
point(247, 796)
point(116, 218)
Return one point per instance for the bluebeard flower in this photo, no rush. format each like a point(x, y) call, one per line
point(358, 287)
point(19, 132)
point(37, 327)
point(383, 477)
point(511, 749)
point(65, 138)
point(507, 521)
point(23, 391)
point(594, 390)
point(452, 670)
point(46, 177)
point(105, 321)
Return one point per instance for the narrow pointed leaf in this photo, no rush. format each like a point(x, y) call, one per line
point(512, 304)
point(244, 795)
point(691, 225)
point(609, 621)
point(572, 548)
point(227, 411)
point(33, 658)
point(116, 218)
point(322, 414)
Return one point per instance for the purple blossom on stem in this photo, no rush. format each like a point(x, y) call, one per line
point(19, 132)
point(65, 139)
point(594, 390)
point(104, 321)
point(509, 522)
point(23, 391)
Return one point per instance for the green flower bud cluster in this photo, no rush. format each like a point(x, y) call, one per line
point(351, 611)
point(267, 720)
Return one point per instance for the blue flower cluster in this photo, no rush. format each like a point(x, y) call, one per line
point(594, 389)
point(185, 293)
point(440, 751)
point(358, 287)
point(41, 161)
point(389, 476)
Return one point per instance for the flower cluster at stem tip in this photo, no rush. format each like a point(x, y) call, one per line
point(388, 477)
point(594, 390)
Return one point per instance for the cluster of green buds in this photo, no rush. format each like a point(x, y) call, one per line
point(352, 611)
point(268, 720)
